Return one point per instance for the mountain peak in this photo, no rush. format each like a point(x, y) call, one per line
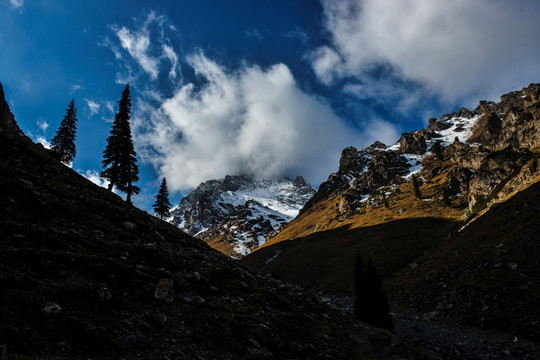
point(238, 212)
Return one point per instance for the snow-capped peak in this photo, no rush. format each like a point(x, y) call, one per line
point(241, 209)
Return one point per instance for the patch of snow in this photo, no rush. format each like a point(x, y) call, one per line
point(274, 257)
point(462, 128)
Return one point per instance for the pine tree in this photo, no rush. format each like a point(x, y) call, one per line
point(63, 142)
point(385, 201)
point(371, 304)
point(119, 157)
point(445, 197)
point(162, 204)
point(437, 150)
point(416, 187)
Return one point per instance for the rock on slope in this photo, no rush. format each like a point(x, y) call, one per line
point(466, 162)
point(85, 275)
point(237, 213)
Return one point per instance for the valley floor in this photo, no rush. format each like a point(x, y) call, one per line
point(447, 342)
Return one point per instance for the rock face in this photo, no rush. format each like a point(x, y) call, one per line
point(488, 146)
point(410, 144)
point(240, 210)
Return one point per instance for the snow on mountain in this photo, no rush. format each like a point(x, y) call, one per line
point(240, 211)
point(364, 172)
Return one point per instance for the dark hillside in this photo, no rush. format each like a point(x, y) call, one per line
point(487, 275)
point(325, 260)
point(85, 275)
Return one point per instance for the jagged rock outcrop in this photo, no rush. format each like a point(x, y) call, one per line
point(458, 181)
point(351, 164)
point(496, 170)
point(519, 112)
point(386, 168)
point(411, 144)
point(237, 213)
point(487, 147)
point(465, 155)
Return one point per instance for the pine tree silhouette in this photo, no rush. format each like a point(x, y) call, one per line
point(162, 204)
point(63, 142)
point(119, 157)
point(436, 148)
point(416, 188)
point(385, 200)
point(445, 197)
point(371, 304)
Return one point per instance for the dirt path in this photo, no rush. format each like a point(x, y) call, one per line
point(451, 342)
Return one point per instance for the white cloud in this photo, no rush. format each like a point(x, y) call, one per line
point(110, 106)
point(326, 63)
point(43, 124)
point(169, 53)
point(17, 4)
point(252, 120)
point(74, 88)
point(94, 177)
point(137, 44)
point(93, 107)
point(299, 34)
point(380, 130)
point(43, 141)
point(147, 45)
point(453, 48)
point(254, 34)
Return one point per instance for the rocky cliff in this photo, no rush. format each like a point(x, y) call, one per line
point(490, 145)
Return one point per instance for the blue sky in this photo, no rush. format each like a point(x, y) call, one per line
point(269, 88)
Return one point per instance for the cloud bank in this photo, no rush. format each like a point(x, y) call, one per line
point(248, 121)
point(452, 48)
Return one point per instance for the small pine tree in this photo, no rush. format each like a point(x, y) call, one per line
point(385, 201)
point(437, 150)
point(445, 197)
point(63, 142)
point(371, 304)
point(162, 204)
point(119, 157)
point(416, 187)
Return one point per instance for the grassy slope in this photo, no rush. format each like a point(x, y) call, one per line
point(318, 248)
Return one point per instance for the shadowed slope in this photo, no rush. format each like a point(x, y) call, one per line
point(325, 260)
point(488, 274)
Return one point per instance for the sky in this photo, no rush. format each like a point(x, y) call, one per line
point(267, 88)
